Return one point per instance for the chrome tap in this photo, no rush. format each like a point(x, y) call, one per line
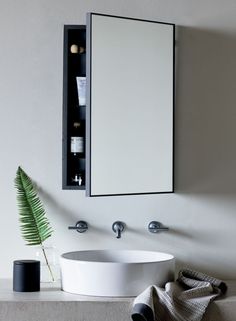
point(155, 227)
point(80, 226)
point(118, 227)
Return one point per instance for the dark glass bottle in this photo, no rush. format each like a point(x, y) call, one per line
point(77, 139)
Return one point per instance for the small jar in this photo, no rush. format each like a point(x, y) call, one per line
point(26, 276)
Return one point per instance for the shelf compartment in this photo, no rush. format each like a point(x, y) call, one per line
point(74, 66)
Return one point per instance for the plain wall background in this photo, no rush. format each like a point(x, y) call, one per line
point(202, 212)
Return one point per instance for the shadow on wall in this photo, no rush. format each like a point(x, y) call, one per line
point(67, 216)
point(205, 118)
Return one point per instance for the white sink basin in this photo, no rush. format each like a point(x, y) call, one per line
point(114, 272)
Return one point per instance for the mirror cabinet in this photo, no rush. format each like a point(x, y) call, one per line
point(118, 106)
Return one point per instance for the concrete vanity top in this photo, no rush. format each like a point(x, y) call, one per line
point(52, 304)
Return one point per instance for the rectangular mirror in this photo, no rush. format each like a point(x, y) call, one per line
point(130, 99)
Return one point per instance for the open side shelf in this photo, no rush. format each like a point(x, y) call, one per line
point(74, 109)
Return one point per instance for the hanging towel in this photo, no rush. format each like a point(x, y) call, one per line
point(183, 300)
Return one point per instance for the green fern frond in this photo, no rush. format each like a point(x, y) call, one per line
point(35, 227)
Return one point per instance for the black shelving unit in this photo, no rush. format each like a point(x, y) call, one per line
point(74, 66)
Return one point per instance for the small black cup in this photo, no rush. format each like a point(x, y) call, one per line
point(26, 276)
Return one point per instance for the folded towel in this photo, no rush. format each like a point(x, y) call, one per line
point(183, 300)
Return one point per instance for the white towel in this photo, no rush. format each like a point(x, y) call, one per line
point(183, 300)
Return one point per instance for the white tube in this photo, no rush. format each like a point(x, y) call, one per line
point(81, 86)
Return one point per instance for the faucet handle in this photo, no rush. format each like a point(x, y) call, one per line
point(80, 226)
point(155, 227)
point(118, 227)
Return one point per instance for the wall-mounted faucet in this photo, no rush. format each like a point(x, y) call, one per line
point(118, 227)
point(80, 226)
point(155, 227)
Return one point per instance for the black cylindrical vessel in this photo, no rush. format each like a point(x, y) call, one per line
point(26, 276)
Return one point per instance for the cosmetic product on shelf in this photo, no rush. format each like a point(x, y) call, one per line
point(77, 139)
point(81, 87)
point(77, 179)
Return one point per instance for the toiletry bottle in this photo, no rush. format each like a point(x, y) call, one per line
point(77, 139)
point(78, 56)
point(77, 179)
point(74, 48)
point(81, 88)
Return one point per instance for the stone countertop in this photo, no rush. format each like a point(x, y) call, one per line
point(49, 292)
point(52, 304)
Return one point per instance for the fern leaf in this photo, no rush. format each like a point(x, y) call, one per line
point(35, 227)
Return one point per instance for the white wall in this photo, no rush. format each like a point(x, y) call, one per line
point(202, 212)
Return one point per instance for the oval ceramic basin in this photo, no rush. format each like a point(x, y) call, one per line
point(114, 272)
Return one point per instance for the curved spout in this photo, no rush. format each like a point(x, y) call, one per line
point(118, 228)
point(118, 233)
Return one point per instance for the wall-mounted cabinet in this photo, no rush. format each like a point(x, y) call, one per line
point(74, 110)
point(129, 106)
